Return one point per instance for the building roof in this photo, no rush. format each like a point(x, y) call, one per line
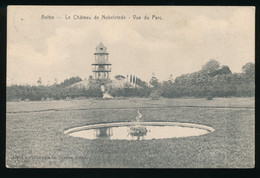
point(101, 49)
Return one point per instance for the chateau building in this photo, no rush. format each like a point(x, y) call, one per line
point(101, 68)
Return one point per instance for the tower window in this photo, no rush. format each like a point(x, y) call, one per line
point(101, 48)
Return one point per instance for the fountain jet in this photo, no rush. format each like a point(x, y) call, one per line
point(138, 116)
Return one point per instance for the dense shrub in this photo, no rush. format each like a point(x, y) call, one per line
point(155, 94)
point(128, 91)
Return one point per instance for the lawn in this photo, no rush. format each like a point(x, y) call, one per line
point(35, 138)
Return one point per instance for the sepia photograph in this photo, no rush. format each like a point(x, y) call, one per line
point(130, 87)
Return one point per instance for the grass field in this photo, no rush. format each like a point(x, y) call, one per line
point(35, 139)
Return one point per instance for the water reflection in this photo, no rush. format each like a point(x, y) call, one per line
point(137, 132)
point(104, 132)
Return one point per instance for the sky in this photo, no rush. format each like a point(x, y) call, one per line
point(181, 41)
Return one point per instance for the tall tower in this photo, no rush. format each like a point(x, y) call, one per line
point(101, 68)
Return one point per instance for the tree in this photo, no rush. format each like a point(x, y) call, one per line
point(210, 66)
point(223, 70)
point(249, 69)
point(140, 82)
point(119, 77)
point(130, 78)
point(168, 89)
point(154, 81)
point(39, 81)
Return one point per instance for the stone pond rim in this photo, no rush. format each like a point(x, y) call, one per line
point(118, 124)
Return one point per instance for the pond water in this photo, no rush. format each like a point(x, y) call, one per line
point(152, 132)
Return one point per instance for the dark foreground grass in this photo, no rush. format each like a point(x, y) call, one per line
point(35, 138)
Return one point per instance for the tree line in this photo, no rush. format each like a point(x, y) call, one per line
point(52, 92)
point(213, 80)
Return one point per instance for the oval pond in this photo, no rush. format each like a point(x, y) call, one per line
point(122, 131)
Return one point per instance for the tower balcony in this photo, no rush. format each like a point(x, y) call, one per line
point(100, 63)
point(101, 70)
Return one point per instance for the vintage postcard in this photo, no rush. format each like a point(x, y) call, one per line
point(130, 87)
